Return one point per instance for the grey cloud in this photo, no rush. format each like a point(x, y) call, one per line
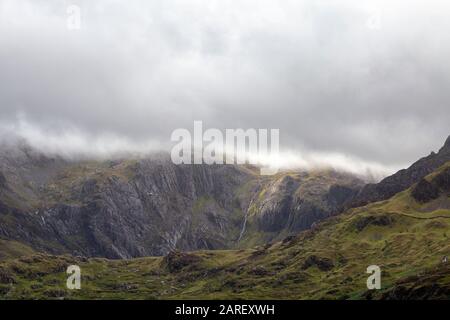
point(138, 70)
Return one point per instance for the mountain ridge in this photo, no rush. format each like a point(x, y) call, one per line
point(126, 208)
point(403, 179)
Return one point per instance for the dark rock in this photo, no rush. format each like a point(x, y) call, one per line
point(4, 290)
point(2, 181)
point(175, 261)
point(432, 291)
point(124, 286)
point(289, 239)
point(55, 293)
point(324, 264)
point(338, 195)
point(442, 180)
point(425, 191)
point(259, 253)
point(259, 271)
point(6, 277)
point(363, 222)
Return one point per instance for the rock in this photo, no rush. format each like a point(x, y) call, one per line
point(363, 222)
point(175, 261)
point(293, 203)
point(259, 271)
point(442, 180)
point(6, 277)
point(339, 195)
point(425, 191)
point(289, 239)
point(323, 264)
point(3, 184)
point(55, 293)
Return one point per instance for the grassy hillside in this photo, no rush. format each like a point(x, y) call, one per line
point(13, 249)
point(407, 239)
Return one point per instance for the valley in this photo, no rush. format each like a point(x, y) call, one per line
point(303, 238)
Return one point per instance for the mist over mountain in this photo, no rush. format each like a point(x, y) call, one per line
point(95, 94)
point(289, 231)
point(345, 82)
point(131, 207)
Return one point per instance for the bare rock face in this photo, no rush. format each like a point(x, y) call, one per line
point(117, 209)
point(274, 211)
point(293, 202)
point(127, 208)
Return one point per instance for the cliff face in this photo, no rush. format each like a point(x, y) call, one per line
point(122, 209)
point(141, 207)
point(291, 202)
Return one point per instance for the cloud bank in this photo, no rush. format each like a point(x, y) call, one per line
point(356, 84)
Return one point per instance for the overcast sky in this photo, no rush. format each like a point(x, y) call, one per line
point(365, 83)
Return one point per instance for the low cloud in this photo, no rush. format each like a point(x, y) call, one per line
point(357, 84)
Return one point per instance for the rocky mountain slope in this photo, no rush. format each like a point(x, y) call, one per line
point(292, 202)
point(134, 207)
point(403, 179)
point(406, 236)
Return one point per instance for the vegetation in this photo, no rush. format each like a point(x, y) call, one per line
point(406, 239)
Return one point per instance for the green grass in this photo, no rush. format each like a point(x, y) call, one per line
point(13, 249)
point(406, 239)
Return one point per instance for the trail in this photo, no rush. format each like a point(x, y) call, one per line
point(420, 218)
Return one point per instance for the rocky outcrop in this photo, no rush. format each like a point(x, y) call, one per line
point(442, 180)
point(291, 203)
point(381, 220)
point(323, 264)
point(175, 261)
point(426, 191)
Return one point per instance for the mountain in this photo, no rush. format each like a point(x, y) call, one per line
point(402, 179)
point(406, 236)
point(288, 203)
point(135, 207)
